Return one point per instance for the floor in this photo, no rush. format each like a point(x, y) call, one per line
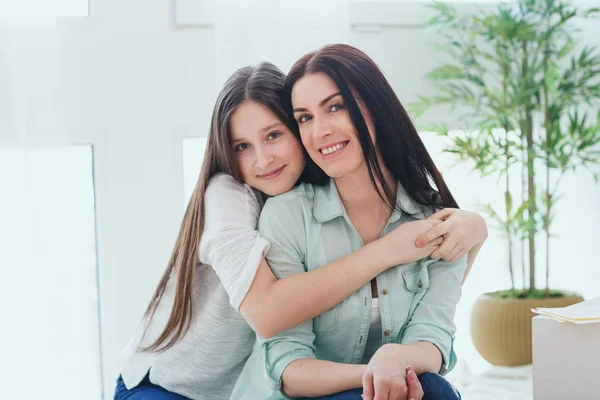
point(497, 383)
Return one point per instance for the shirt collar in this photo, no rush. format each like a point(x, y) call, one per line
point(328, 205)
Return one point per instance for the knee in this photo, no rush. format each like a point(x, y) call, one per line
point(437, 387)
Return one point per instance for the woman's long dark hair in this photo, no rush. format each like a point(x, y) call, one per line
point(397, 140)
point(262, 84)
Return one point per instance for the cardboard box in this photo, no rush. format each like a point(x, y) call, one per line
point(566, 358)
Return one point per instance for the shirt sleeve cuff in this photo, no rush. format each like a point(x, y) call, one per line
point(440, 338)
point(287, 352)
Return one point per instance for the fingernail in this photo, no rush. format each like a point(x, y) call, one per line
point(419, 243)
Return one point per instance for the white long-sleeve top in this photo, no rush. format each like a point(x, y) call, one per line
point(207, 361)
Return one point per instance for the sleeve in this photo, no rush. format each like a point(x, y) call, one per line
point(282, 224)
point(433, 317)
point(230, 242)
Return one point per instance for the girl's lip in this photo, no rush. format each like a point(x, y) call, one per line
point(273, 174)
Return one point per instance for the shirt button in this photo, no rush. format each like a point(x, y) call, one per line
point(387, 332)
point(384, 291)
point(420, 284)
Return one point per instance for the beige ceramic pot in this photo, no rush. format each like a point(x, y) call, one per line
point(501, 328)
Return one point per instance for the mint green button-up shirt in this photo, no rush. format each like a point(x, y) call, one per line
point(308, 227)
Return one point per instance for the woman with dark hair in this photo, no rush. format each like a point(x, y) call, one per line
point(217, 289)
point(381, 177)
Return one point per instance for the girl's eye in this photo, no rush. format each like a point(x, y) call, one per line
point(273, 135)
point(241, 146)
point(336, 107)
point(303, 118)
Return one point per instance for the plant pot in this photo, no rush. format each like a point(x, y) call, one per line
point(501, 328)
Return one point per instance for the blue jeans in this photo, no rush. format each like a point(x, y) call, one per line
point(146, 390)
point(434, 386)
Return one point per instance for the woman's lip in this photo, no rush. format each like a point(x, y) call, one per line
point(274, 174)
point(345, 142)
point(335, 153)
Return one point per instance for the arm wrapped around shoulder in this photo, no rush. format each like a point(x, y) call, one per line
point(230, 242)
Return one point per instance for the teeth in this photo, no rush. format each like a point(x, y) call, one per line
point(333, 149)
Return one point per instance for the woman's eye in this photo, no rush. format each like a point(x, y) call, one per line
point(336, 107)
point(303, 118)
point(273, 135)
point(241, 146)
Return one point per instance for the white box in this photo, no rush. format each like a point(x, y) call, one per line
point(566, 359)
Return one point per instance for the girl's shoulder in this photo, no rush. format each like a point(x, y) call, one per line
point(223, 192)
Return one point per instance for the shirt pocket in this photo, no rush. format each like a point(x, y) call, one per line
point(328, 321)
point(416, 281)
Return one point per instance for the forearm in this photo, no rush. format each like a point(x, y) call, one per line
point(422, 356)
point(313, 378)
point(273, 306)
point(471, 259)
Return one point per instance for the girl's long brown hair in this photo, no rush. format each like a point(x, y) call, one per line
point(263, 84)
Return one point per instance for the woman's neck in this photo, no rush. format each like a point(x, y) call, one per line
point(360, 197)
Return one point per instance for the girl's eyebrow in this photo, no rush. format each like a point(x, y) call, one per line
point(269, 127)
point(236, 141)
point(322, 103)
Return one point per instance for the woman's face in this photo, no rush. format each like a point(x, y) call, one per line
point(326, 129)
point(266, 151)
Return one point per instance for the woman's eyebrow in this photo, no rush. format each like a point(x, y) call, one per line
point(321, 104)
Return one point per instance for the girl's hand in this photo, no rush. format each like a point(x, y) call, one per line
point(398, 246)
point(461, 231)
point(415, 390)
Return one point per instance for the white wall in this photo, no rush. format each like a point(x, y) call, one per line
point(136, 77)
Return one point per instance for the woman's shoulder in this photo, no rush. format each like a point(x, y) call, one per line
point(411, 206)
point(299, 194)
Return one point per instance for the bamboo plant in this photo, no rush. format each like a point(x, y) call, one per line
point(527, 96)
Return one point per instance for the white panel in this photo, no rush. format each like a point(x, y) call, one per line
point(194, 13)
point(49, 289)
point(43, 8)
point(408, 13)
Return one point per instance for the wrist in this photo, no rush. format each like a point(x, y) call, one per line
point(381, 254)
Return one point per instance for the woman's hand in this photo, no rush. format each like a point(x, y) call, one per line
point(398, 246)
point(461, 231)
point(389, 377)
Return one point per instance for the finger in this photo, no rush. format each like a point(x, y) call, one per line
point(395, 391)
point(431, 234)
point(436, 243)
point(413, 384)
point(459, 255)
point(445, 248)
point(457, 249)
point(443, 214)
point(368, 390)
point(382, 389)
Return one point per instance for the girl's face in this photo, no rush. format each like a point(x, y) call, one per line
point(266, 151)
point(326, 129)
